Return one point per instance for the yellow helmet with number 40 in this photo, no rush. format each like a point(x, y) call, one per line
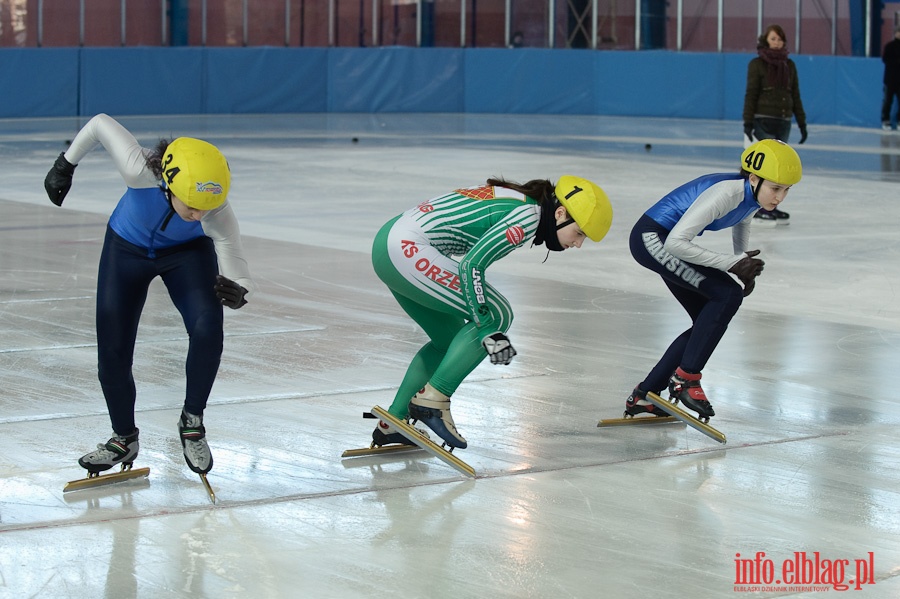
point(196, 172)
point(587, 204)
point(774, 161)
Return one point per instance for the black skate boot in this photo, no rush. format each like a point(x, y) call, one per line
point(385, 434)
point(685, 387)
point(118, 450)
point(637, 404)
point(193, 443)
point(433, 408)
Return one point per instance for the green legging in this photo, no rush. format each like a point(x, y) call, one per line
point(455, 348)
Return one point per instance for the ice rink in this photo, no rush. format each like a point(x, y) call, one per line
point(806, 491)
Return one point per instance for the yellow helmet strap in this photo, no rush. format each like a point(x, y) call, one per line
point(565, 223)
point(756, 189)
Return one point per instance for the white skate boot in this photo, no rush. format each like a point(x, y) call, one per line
point(118, 450)
point(432, 408)
point(193, 442)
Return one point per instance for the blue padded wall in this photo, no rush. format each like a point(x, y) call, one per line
point(38, 82)
point(125, 81)
point(660, 84)
point(529, 81)
point(48, 82)
point(395, 80)
point(266, 80)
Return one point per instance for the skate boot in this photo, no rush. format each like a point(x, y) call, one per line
point(193, 442)
point(685, 387)
point(385, 434)
point(637, 404)
point(118, 450)
point(433, 408)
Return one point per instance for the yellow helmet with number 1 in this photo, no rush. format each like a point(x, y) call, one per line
point(196, 172)
point(774, 161)
point(587, 204)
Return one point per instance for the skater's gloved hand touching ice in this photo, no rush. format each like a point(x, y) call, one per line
point(499, 348)
point(58, 181)
point(230, 293)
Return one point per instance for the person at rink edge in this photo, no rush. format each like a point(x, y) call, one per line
point(663, 240)
point(771, 100)
point(465, 317)
point(891, 59)
point(188, 178)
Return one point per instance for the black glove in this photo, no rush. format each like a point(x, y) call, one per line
point(499, 348)
point(748, 287)
point(230, 293)
point(802, 133)
point(748, 131)
point(748, 267)
point(58, 181)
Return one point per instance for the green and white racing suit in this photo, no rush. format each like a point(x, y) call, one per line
point(433, 259)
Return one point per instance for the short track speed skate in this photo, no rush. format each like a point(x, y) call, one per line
point(120, 450)
point(672, 407)
point(379, 450)
point(95, 479)
point(408, 431)
point(636, 420)
point(376, 448)
point(196, 450)
point(640, 411)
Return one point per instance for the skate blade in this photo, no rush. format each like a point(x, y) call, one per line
point(425, 443)
point(686, 417)
point(209, 489)
point(379, 450)
point(640, 420)
point(105, 479)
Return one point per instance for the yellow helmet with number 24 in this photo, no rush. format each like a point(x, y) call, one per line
point(196, 172)
point(774, 161)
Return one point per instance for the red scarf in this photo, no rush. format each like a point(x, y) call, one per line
point(778, 74)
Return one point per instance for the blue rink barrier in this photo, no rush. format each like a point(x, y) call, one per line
point(49, 82)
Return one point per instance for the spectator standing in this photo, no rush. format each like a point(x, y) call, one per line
point(771, 101)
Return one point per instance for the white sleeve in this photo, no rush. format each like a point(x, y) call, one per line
point(740, 236)
point(127, 154)
point(713, 203)
point(221, 225)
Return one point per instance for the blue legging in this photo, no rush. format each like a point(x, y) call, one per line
point(189, 273)
point(709, 296)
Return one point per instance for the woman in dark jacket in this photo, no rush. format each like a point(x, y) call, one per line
point(772, 99)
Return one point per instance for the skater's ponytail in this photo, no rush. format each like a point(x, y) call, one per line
point(544, 192)
point(541, 190)
point(154, 158)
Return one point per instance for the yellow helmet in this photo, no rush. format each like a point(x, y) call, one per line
point(587, 204)
point(774, 161)
point(196, 172)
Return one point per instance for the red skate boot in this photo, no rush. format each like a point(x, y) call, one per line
point(685, 387)
point(637, 404)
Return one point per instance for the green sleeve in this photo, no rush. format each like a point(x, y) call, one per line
point(493, 245)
